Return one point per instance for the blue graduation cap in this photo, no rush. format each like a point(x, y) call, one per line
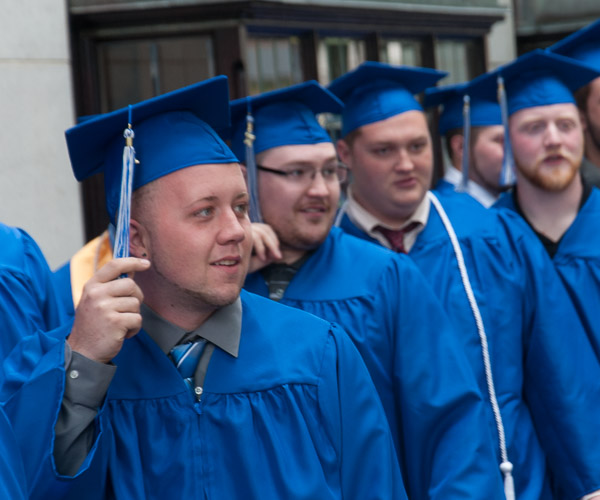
point(164, 134)
point(281, 117)
point(538, 78)
point(376, 91)
point(483, 112)
point(583, 45)
point(460, 110)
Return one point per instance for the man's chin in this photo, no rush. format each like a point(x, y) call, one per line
point(306, 242)
point(557, 180)
point(224, 298)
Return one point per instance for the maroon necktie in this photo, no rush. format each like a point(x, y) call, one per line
point(396, 236)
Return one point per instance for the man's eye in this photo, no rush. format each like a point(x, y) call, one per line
point(242, 208)
point(534, 128)
point(296, 173)
point(204, 212)
point(329, 172)
point(566, 125)
point(417, 147)
point(381, 151)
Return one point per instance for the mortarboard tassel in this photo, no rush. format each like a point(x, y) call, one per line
point(464, 182)
point(507, 174)
point(121, 248)
point(255, 215)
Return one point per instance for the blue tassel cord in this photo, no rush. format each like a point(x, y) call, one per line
point(255, 215)
point(121, 248)
point(466, 144)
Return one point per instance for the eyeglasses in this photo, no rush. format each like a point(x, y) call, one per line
point(305, 174)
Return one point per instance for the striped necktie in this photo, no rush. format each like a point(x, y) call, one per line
point(186, 357)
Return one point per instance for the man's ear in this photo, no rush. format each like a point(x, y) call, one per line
point(456, 145)
point(138, 240)
point(343, 151)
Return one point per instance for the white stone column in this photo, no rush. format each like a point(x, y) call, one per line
point(37, 189)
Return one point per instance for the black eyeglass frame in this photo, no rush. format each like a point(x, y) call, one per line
point(339, 167)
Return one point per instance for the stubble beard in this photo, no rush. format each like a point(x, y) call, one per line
point(294, 238)
point(197, 299)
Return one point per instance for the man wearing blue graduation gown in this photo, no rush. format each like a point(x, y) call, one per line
point(280, 404)
point(552, 196)
point(423, 378)
point(28, 306)
point(493, 277)
point(474, 146)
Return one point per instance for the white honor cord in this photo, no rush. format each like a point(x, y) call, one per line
point(506, 466)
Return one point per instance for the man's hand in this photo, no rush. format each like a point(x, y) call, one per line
point(266, 247)
point(109, 310)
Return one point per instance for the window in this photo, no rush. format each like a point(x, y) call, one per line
point(337, 56)
point(134, 70)
point(401, 52)
point(463, 59)
point(272, 63)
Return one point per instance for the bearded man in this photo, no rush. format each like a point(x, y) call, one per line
point(555, 199)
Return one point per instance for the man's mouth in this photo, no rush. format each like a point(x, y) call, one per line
point(228, 262)
point(314, 209)
point(554, 158)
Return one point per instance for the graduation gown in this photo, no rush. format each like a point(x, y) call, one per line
point(544, 370)
point(12, 475)
point(427, 387)
point(577, 261)
point(27, 294)
point(295, 416)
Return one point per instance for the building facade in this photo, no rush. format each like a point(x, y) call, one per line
point(121, 51)
point(541, 24)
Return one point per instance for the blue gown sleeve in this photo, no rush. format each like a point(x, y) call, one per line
point(31, 393)
point(356, 423)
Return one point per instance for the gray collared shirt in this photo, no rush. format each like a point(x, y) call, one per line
point(87, 381)
point(222, 329)
point(366, 221)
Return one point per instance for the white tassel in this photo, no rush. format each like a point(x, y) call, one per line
point(122, 233)
point(509, 482)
